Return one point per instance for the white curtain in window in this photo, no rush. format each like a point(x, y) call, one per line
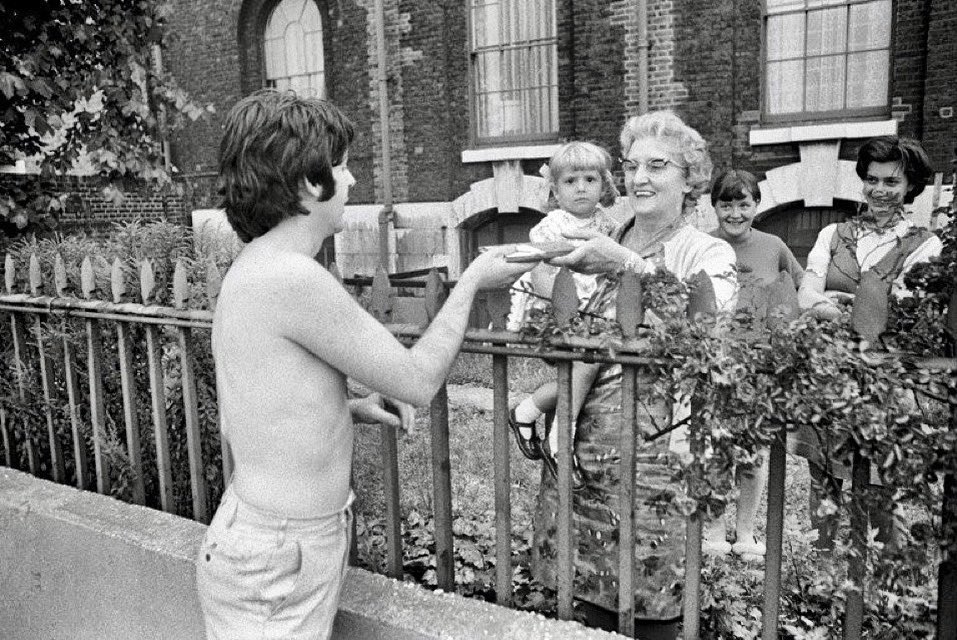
point(514, 67)
point(293, 48)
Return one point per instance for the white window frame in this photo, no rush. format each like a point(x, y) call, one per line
point(293, 56)
point(779, 10)
point(513, 71)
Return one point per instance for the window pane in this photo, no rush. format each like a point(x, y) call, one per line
point(292, 47)
point(784, 86)
point(275, 58)
point(824, 3)
point(514, 67)
point(486, 25)
point(786, 36)
point(826, 31)
point(870, 26)
point(867, 79)
point(825, 84)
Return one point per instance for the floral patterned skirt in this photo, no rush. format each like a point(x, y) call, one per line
point(659, 543)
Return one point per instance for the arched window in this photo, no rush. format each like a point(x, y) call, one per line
point(292, 44)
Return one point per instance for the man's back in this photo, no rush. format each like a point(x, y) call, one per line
point(284, 411)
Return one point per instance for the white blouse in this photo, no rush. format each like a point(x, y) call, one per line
point(871, 247)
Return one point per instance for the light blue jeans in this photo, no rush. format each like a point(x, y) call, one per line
point(261, 575)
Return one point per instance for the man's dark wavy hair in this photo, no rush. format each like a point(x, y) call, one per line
point(912, 157)
point(273, 140)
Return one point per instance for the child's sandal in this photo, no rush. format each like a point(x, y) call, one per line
point(530, 447)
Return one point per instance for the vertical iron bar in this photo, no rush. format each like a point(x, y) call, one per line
point(692, 594)
point(46, 381)
point(7, 443)
point(854, 615)
point(442, 486)
point(503, 506)
point(19, 356)
point(566, 537)
point(390, 486)
point(775, 537)
point(164, 466)
point(73, 399)
point(97, 410)
point(626, 537)
point(128, 389)
point(194, 445)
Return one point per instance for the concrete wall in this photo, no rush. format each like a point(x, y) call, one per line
point(77, 565)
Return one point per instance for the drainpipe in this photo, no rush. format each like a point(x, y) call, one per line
point(385, 215)
point(643, 46)
point(157, 59)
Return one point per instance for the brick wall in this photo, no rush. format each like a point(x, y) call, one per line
point(940, 86)
point(87, 210)
point(704, 62)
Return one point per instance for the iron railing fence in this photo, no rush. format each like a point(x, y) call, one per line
point(167, 334)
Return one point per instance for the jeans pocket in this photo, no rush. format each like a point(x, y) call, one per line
point(282, 576)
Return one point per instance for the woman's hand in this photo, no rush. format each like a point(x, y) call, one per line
point(491, 270)
point(377, 408)
point(598, 254)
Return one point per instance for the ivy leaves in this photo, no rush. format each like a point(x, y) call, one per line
point(78, 88)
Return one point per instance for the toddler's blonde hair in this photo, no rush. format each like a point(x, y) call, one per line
point(581, 156)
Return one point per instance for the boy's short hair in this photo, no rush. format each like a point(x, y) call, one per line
point(273, 140)
point(912, 157)
point(733, 184)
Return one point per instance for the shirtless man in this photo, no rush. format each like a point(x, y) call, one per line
point(286, 336)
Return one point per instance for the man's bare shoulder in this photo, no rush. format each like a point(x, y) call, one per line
point(277, 271)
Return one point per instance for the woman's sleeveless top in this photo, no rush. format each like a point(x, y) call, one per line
point(844, 271)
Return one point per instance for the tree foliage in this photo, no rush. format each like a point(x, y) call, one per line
point(78, 83)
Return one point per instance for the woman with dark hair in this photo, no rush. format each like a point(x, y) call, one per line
point(894, 171)
point(880, 239)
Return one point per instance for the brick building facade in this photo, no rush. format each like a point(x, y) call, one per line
point(457, 185)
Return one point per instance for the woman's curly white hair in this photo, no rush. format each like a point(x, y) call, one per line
point(689, 144)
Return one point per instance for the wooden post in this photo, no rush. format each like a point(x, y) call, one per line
point(154, 363)
point(501, 460)
point(381, 308)
point(947, 571)
point(441, 459)
point(194, 445)
point(564, 309)
point(95, 374)
point(72, 385)
point(630, 306)
point(775, 537)
point(128, 387)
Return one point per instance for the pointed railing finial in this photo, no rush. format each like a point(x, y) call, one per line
point(381, 305)
point(36, 276)
point(180, 285)
point(147, 281)
point(214, 282)
point(630, 304)
point(564, 297)
point(9, 274)
point(117, 280)
point(59, 275)
point(87, 278)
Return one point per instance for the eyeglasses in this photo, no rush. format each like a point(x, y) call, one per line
point(655, 165)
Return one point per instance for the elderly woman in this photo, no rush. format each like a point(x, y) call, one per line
point(894, 171)
point(666, 167)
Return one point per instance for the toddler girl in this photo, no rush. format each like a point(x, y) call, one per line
point(581, 184)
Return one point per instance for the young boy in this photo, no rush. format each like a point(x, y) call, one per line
point(286, 336)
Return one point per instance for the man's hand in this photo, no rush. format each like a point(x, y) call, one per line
point(376, 408)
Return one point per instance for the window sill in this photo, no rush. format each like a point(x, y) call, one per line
point(497, 154)
point(814, 132)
